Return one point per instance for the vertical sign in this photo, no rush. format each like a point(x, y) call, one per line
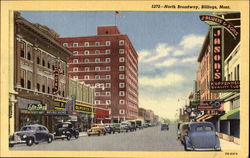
point(217, 53)
point(56, 81)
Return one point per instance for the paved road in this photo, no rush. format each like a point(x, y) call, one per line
point(148, 139)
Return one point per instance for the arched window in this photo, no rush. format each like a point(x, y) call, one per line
point(22, 82)
point(38, 86)
point(38, 60)
point(43, 62)
point(29, 84)
point(48, 90)
point(29, 56)
point(48, 65)
point(43, 89)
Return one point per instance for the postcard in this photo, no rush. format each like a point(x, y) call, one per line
point(124, 78)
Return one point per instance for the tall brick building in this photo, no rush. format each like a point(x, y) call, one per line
point(109, 62)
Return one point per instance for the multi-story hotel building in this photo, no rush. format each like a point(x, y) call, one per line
point(109, 62)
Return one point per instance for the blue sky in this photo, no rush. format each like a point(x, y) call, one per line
point(167, 43)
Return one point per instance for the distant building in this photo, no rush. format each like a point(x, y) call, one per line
point(108, 62)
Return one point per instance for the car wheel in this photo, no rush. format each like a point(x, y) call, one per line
point(68, 137)
point(29, 141)
point(77, 135)
point(11, 145)
point(49, 139)
point(36, 143)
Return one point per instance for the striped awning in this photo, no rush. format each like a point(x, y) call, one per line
point(203, 117)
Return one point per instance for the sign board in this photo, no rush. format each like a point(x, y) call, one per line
point(56, 81)
point(59, 105)
point(56, 112)
point(83, 109)
point(225, 85)
point(216, 20)
point(36, 107)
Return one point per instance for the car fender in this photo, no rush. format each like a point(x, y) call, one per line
point(31, 136)
point(187, 141)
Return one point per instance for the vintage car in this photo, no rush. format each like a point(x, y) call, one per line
point(133, 125)
point(65, 130)
point(96, 129)
point(201, 136)
point(109, 128)
point(125, 126)
point(139, 123)
point(117, 127)
point(164, 126)
point(31, 134)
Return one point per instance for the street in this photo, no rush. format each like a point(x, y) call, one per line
point(148, 139)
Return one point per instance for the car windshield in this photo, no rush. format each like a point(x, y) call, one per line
point(27, 128)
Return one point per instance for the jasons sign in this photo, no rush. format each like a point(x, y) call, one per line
point(217, 55)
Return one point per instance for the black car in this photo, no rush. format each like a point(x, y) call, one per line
point(65, 130)
point(164, 126)
point(109, 128)
point(30, 134)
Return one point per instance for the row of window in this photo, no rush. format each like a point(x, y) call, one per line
point(234, 75)
point(97, 60)
point(40, 88)
point(87, 44)
point(121, 68)
point(97, 52)
point(108, 102)
point(87, 77)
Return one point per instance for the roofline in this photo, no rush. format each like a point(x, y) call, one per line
point(203, 48)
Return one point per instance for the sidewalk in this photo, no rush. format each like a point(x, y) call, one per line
point(226, 145)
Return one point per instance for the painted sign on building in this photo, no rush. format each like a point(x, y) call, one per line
point(56, 81)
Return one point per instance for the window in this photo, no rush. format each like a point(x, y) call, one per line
point(86, 68)
point(48, 90)
point(97, 43)
point(97, 68)
point(108, 76)
point(121, 76)
point(53, 67)
point(107, 51)
point(75, 77)
point(121, 111)
point(43, 63)
point(97, 93)
point(121, 102)
point(121, 85)
point(38, 86)
point(43, 89)
point(75, 52)
point(108, 102)
point(121, 68)
point(86, 44)
point(65, 44)
point(86, 60)
point(121, 93)
point(238, 72)
point(97, 77)
point(22, 49)
point(97, 102)
point(86, 52)
point(107, 43)
point(97, 60)
point(86, 77)
point(38, 60)
point(97, 51)
point(107, 93)
point(121, 51)
point(107, 85)
point(75, 69)
point(29, 56)
point(107, 68)
point(121, 59)
point(22, 82)
point(48, 65)
point(75, 44)
point(29, 84)
point(121, 42)
point(107, 60)
point(75, 61)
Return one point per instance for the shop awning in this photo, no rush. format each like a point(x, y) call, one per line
point(203, 117)
point(232, 115)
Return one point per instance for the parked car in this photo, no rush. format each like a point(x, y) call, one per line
point(201, 136)
point(31, 134)
point(133, 125)
point(139, 123)
point(109, 128)
point(96, 129)
point(117, 127)
point(164, 126)
point(145, 125)
point(65, 130)
point(125, 126)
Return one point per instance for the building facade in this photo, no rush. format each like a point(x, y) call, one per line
point(108, 62)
